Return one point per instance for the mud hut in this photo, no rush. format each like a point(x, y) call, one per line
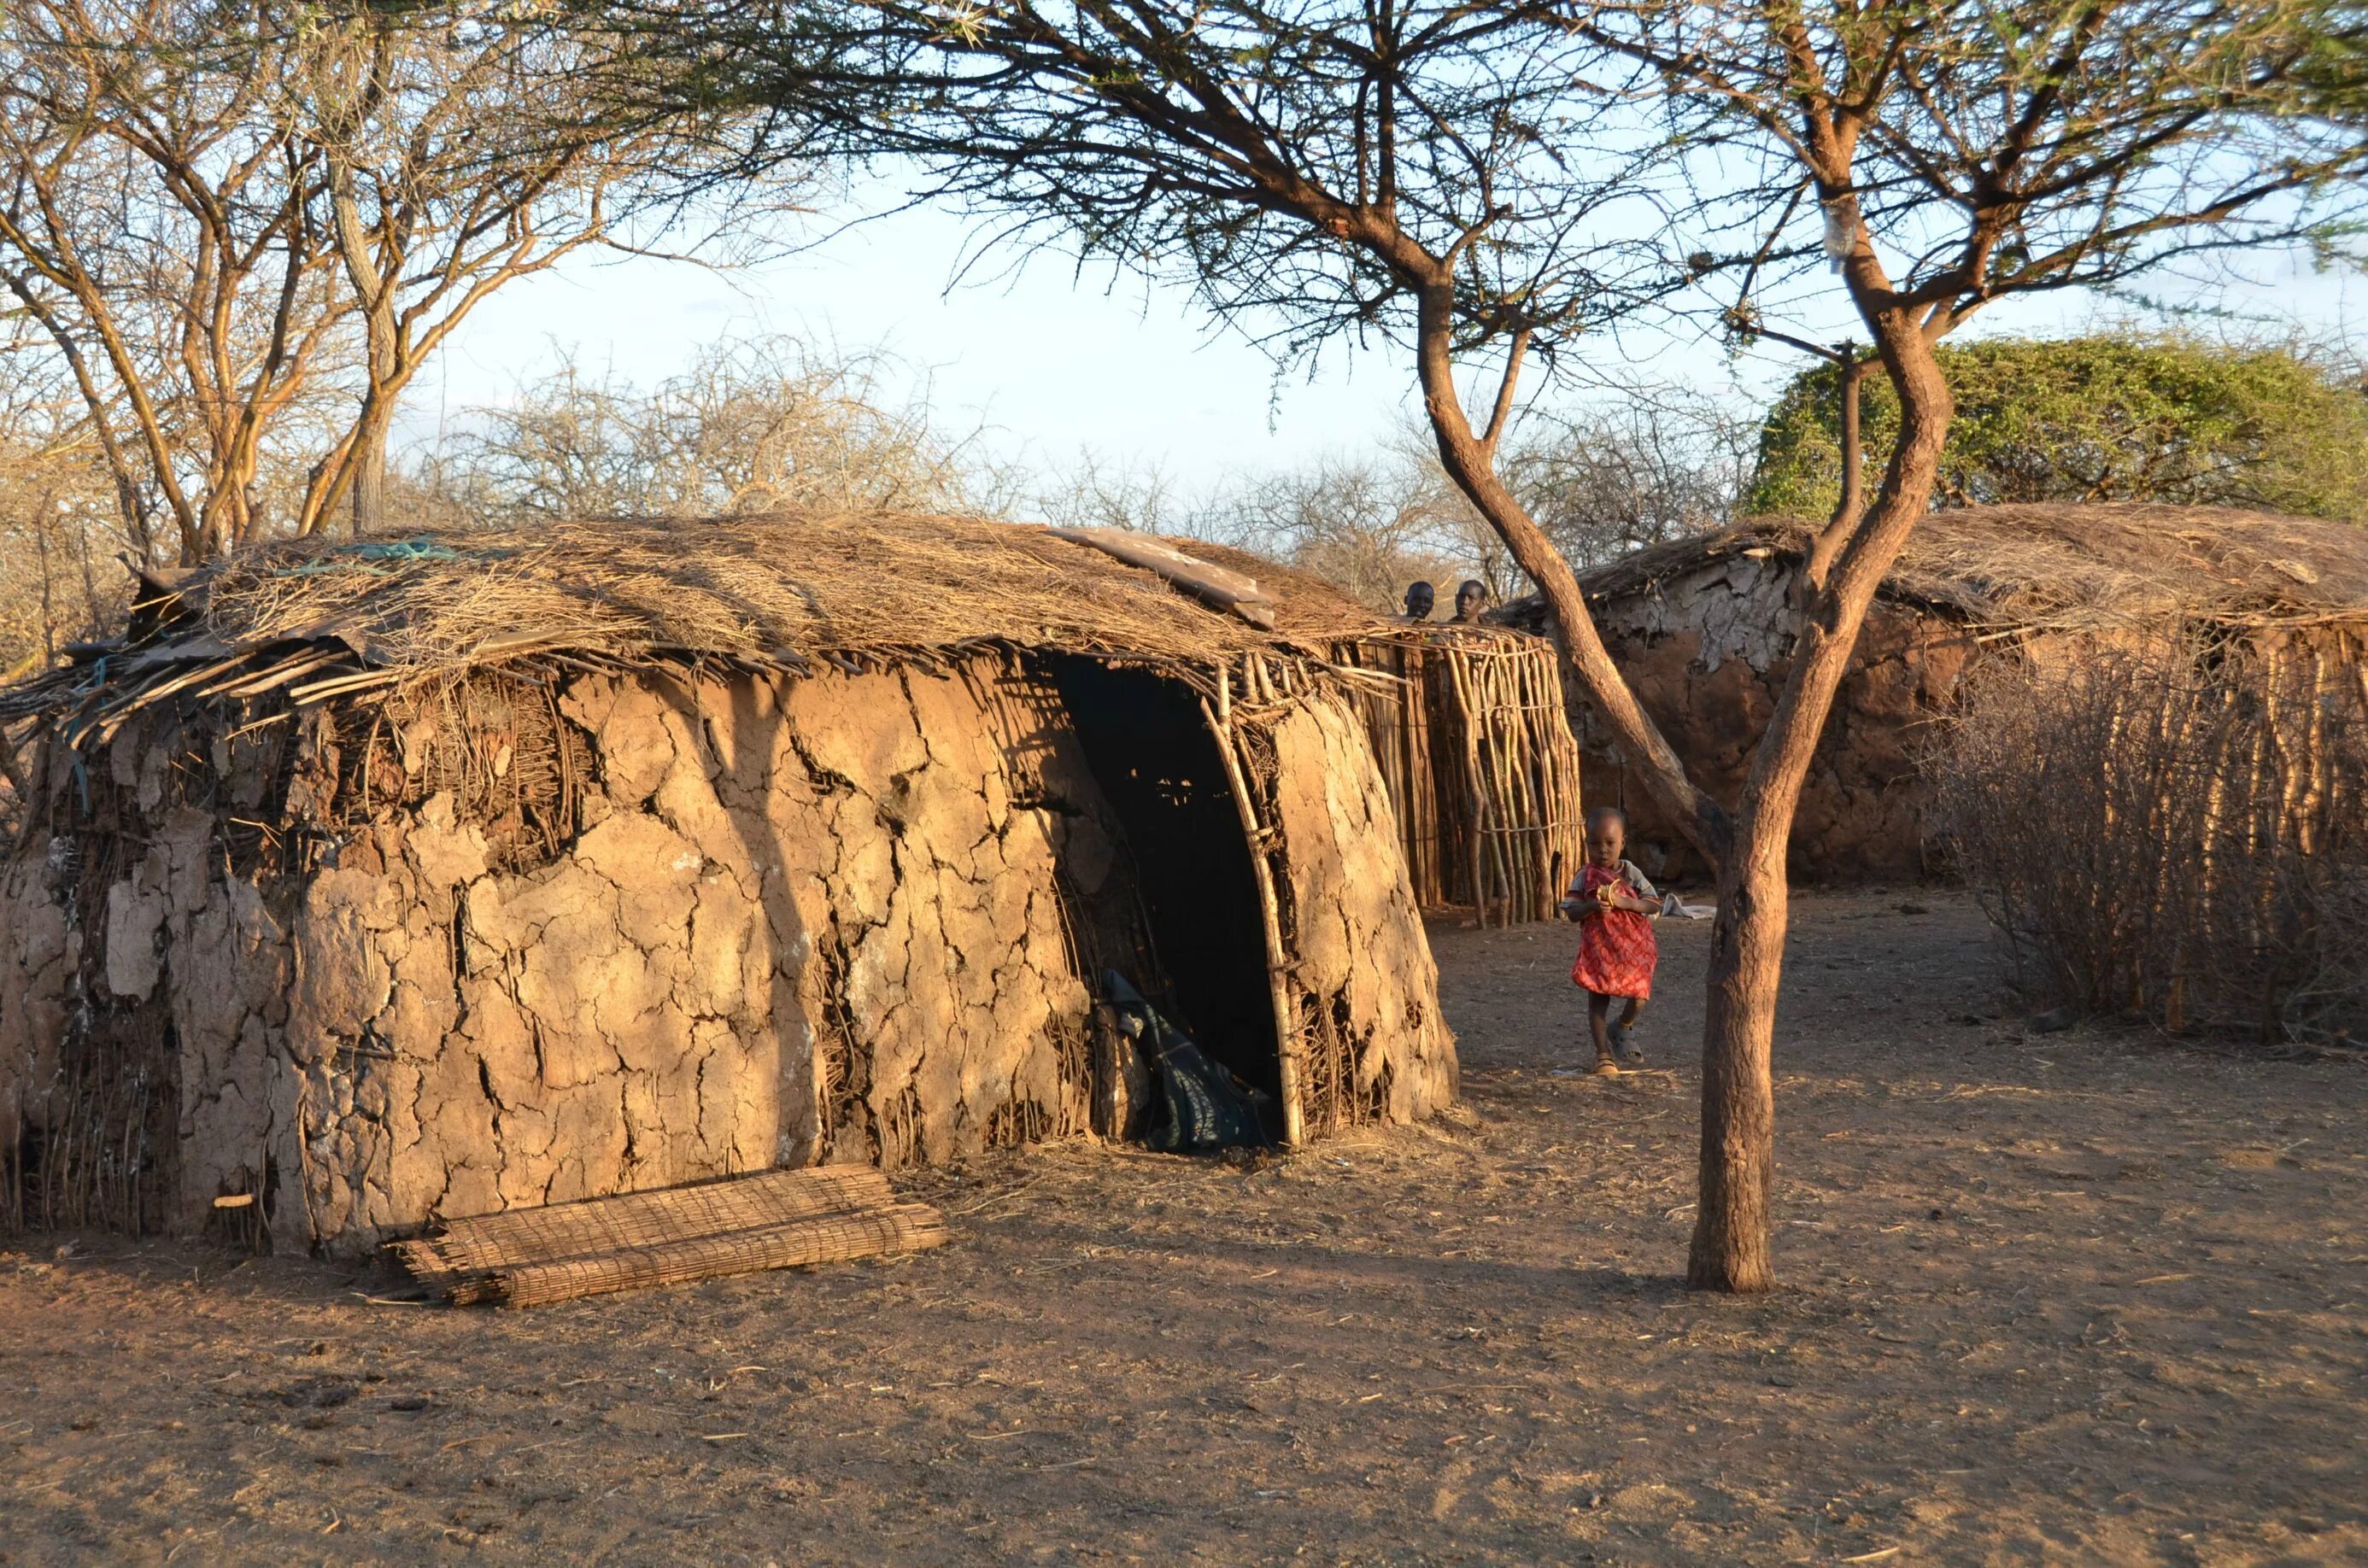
point(362, 885)
point(1692, 625)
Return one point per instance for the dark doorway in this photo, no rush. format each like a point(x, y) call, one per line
point(1158, 768)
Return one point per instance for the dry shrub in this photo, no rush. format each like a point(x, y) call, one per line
point(2174, 838)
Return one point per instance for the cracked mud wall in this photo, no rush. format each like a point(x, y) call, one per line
point(805, 921)
point(1372, 1045)
point(785, 922)
point(40, 948)
point(938, 833)
point(1703, 656)
point(116, 956)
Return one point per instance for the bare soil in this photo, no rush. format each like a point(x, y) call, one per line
point(2067, 1297)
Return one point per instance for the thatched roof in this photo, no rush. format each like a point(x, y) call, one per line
point(785, 591)
point(2059, 567)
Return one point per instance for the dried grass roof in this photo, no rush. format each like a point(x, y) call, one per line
point(790, 582)
point(785, 590)
point(2077, 568)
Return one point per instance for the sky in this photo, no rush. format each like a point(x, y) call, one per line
point(1049, 363)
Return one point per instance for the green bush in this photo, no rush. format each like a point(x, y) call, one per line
point(2116, 417)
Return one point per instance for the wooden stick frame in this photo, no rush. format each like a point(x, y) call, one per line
point(1278, 961)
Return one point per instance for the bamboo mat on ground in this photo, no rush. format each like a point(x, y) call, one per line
point(673, 1237)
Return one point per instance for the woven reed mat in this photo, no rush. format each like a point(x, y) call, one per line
point(771, 1220)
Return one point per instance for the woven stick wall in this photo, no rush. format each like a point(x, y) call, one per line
point(2173, 839)
point(1475, 745)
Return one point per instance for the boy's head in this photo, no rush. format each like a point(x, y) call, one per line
point(1607, 836)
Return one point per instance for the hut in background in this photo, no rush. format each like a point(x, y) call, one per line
point(369, 884)
point(1692, 626)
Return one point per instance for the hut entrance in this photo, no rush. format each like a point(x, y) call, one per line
point(1158, 768)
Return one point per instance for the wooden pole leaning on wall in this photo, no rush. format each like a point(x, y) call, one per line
point(1286, 1017)
point(1511, 843)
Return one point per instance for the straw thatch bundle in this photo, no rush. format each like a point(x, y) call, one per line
point(784, 591)
point(778, 586)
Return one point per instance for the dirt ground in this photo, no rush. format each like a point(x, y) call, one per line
point(2074, 1297)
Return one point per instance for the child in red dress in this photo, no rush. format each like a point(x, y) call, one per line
point(1615, 906)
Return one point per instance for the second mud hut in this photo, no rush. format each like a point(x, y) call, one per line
point(364, 885)
point(1693, 625)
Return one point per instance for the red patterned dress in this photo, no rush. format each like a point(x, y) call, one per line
point(1616, 949)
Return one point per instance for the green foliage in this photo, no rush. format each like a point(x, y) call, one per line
point(2111, 417)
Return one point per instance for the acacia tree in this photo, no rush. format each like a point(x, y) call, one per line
point(1474, 181)
point(55, 509)
point(1659, 463)
point(1368, 524)
point(1440, 175)
point(244, 228)
point(2111, 417)
point(458, 153)
point(1959, 153)
point(744, 429)
point(153, 220)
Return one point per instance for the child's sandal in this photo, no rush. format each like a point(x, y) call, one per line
point(1631, 1054)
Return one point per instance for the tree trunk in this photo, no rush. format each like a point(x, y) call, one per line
point(1730, 1249)
point(375, 272)
point(44, 519)
point(1852, 370)
point(369, 473)
point(1470, 461)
